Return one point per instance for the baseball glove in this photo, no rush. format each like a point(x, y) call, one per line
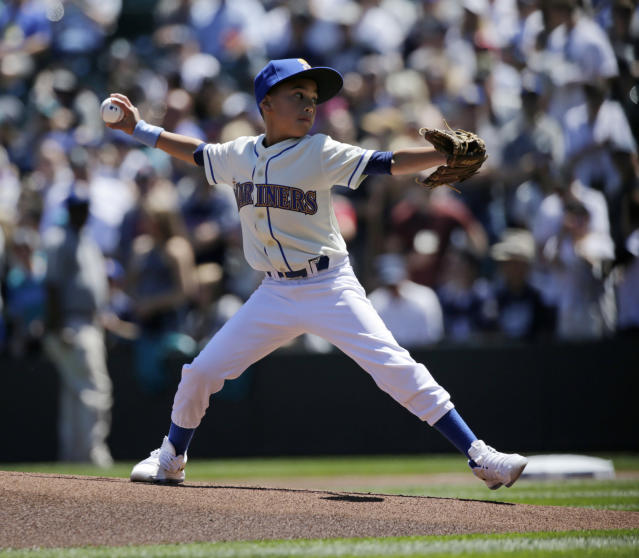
point(465, 152)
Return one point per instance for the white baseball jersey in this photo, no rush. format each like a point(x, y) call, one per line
point(283, 194)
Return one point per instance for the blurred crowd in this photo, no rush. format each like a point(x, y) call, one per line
point(542, 244)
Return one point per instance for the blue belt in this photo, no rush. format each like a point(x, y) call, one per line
point(322, 263)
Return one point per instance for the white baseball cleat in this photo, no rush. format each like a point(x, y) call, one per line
point(162, 466)
point(496, 468)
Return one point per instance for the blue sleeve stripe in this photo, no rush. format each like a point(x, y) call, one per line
point(253, 173)
point(354, 171)
point(211, 168)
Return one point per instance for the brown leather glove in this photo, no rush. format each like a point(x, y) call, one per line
point(465, 152)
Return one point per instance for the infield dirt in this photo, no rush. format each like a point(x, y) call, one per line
point(41, 510)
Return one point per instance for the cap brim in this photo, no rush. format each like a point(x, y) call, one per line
point(329, 81)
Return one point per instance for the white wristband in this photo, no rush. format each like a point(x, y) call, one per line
point(147, 133)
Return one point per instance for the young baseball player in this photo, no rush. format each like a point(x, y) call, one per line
point(282, 181)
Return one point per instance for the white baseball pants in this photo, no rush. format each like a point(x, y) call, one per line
point(332, 305)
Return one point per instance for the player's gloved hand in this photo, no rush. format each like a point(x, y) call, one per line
point(465, 153)
point(131, 114)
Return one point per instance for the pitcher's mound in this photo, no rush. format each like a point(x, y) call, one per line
point(64, 511)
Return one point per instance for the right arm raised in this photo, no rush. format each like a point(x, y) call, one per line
point(176, 145)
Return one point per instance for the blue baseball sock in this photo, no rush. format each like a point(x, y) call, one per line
point(180, 438)
point(453, 427)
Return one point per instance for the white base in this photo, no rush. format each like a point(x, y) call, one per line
point(563, 466)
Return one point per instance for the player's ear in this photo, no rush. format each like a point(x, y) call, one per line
point(265, 104)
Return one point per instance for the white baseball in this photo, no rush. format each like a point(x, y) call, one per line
point(110, 112)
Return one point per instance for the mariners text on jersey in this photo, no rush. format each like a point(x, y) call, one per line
point(283, 192)
point(276, 195)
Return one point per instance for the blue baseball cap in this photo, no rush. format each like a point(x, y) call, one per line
point(329, 81)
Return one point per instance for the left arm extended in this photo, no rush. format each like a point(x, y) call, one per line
point(412, 160)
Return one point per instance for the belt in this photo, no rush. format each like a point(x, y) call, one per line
point(321, 264)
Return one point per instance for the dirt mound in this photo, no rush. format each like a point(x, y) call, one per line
point(63, 511)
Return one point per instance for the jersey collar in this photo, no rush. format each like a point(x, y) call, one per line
point(276, 147)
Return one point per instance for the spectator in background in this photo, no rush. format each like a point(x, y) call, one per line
point(2, 260)
point(602, 150)
point(549, 217)
point(382, 27)
point(463, 293)
point(465, 37)
point(295, 23)
point(525, 202)
point(231, 31)
point(9, 178)
point(25, 35)
point(516, 310)
point(76, 291)
point(572, 50)
point(162, 284)
point(80, 31)
point(26, 267)
point(117, 316)
point(179, 114)
point(210, 216)
point(410, 311)
point(53, 179)
point(623, 31)
point(580, 259)
point(530, 133)
point(591, 130)
point(212, 307)
point(627, 279)
point(422, 225)
point(548, 222)
point(144, 181)
point(626, 272)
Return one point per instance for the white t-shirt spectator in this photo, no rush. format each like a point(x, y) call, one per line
point(414, 317)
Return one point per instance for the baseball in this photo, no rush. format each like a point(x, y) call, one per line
point(110, 112)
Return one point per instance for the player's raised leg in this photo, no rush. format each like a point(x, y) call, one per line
point(264, 323)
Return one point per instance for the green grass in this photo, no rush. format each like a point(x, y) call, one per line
point(220, 469)
point(207, 470)
point(617, 543)
point(596, 494)
point(616, 494)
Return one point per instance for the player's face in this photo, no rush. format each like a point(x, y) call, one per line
point(289, 109)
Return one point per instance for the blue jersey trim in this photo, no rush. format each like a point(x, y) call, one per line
point(268, 213)
point(354, 171)
point(257, 157)
point(198, 155)
point(275, 157)
point(211, 169)
point(270, 228)
point(379, 163)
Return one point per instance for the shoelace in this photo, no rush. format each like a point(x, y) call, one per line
point(169, 462)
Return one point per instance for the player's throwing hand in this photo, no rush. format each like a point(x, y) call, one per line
point(131, 114)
